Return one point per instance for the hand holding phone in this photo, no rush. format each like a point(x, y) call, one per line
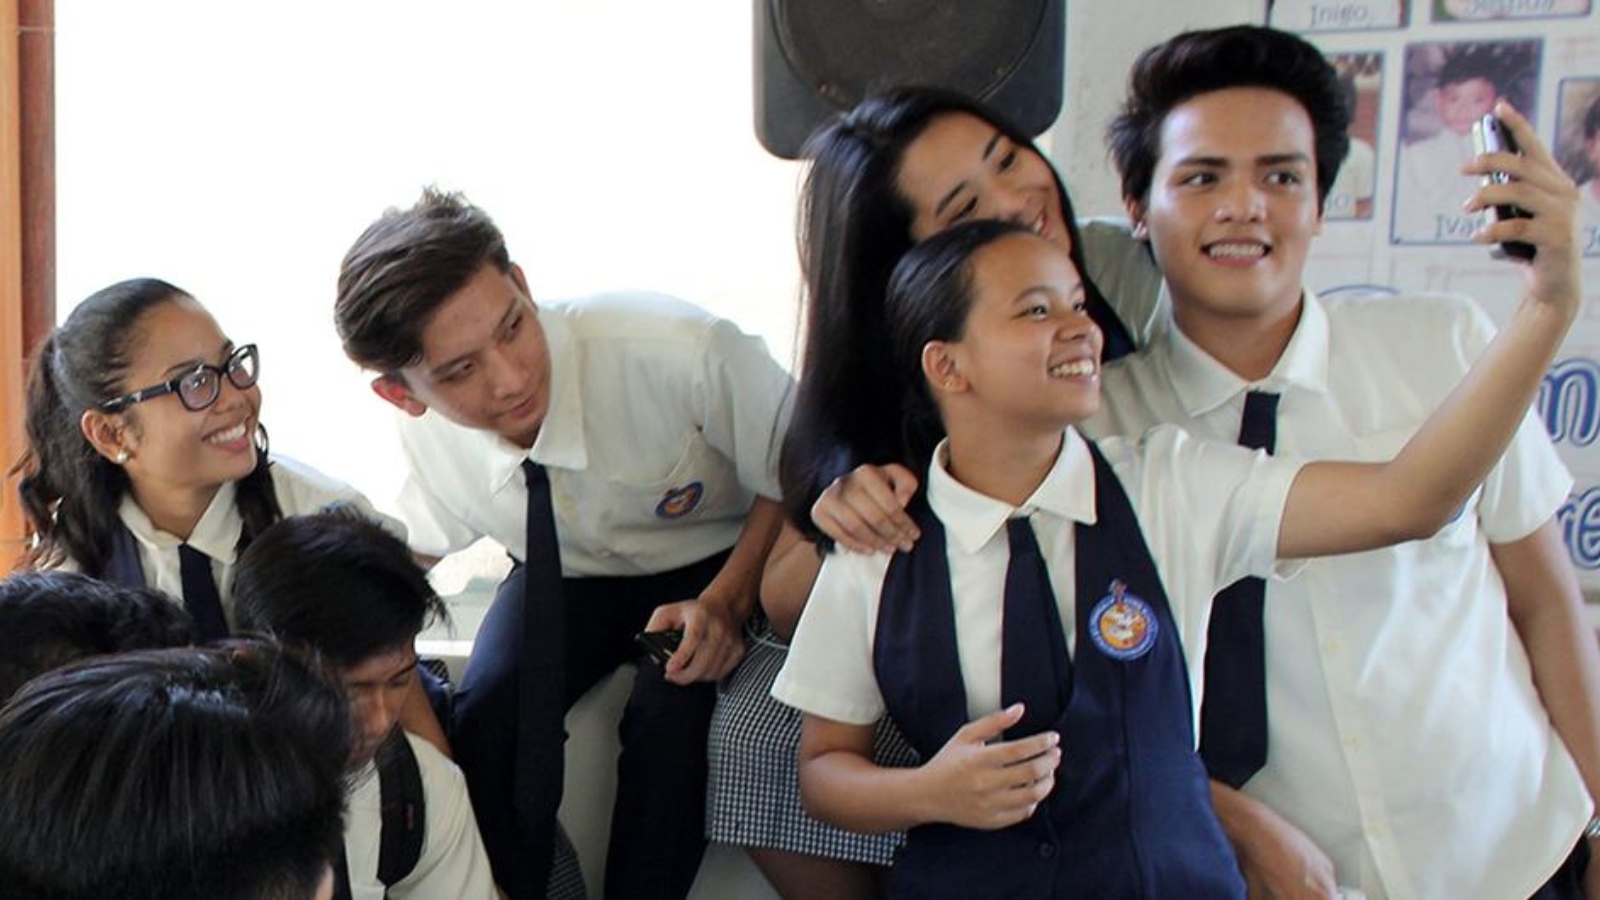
point(1490, 135)
point(660, 645)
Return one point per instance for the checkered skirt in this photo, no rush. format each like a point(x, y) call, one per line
point(753, 795)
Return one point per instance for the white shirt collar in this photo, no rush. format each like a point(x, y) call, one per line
point(972, 519)
point(1202, 384)
point(216, 534)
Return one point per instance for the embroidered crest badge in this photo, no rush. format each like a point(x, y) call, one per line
point(1122, 625)
point(679, 502)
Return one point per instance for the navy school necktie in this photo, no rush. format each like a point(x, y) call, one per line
point(1233, 715)
point(200, 595)
point(542, 689)
point(1034, 665)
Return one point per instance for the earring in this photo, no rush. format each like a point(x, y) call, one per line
point(122, 457)
point(1140, 232)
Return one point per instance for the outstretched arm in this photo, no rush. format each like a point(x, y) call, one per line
point(1345, 507)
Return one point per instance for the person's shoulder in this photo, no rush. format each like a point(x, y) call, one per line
point(291, 474)
point(1410, 320)
point(441, 777)
point(631, 313)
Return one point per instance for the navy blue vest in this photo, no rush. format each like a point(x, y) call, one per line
point(1130, 816)
point(123, 566)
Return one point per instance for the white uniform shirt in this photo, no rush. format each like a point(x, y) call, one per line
point(1405, 734)
point(1210, 514)
point(301, 490)
point(453, 864)
point(664, 423)
point(1126, 273)
point(1431, 190)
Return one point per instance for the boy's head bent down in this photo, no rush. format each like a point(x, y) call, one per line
point(340, 585)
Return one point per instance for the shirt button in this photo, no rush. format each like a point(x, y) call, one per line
point(1047, 850)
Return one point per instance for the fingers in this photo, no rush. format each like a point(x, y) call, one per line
point(710, 648)
point(1537, 185)
point(985, 729)
point(864, 511)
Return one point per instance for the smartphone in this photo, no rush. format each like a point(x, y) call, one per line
point(660, 645)
point(1490, 135)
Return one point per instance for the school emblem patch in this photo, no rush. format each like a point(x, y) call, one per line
point(679, 502)
point(1122, 625)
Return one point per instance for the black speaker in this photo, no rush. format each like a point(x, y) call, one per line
point(814, 57)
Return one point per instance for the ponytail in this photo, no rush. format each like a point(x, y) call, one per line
point(69, 492)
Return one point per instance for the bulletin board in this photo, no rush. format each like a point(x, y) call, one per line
point(1416, 71)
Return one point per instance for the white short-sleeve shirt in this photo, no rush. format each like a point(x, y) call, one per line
point(664, 425)
point(1210, 514)
point(1405, 734)
point(301, 490)
point(453, 863)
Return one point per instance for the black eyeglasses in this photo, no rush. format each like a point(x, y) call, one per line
point(199, 387)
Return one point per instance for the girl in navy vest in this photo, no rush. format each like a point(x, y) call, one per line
point(146, 460)
point(1032, 645)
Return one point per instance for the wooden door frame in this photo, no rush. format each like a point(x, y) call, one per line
point(27, 227)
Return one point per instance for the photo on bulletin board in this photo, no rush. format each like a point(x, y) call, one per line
point(1577, 148)
point(1483, 10)
point(1361, 78)
point(1315, 16)
point(1447, 86)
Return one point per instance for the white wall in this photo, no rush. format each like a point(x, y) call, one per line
point(238, 149)
point(1103, 39)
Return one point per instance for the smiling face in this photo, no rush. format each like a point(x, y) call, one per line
point(173, 450)
point(1029, 351)
point(485, 363)
point(1232, 207)
point(961, 168)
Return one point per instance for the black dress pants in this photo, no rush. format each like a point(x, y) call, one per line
point(658, 822)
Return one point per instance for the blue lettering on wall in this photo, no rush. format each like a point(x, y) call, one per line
point(1580, 527)
point(1569, 401)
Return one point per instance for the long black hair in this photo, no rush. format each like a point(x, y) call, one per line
point(69, 492)
point(854, 226)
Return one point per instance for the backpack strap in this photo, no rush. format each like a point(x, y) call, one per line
point(404, 820)
point(341, 873)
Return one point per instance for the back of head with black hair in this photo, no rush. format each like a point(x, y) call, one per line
point(49, 619)
point(69, 492)
point(854, 226)
point(929, 297)
point(335, 582)
point(190, 774)
point(403, 268)
point(1201, 62)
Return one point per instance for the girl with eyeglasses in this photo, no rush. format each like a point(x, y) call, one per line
point(146, 461)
